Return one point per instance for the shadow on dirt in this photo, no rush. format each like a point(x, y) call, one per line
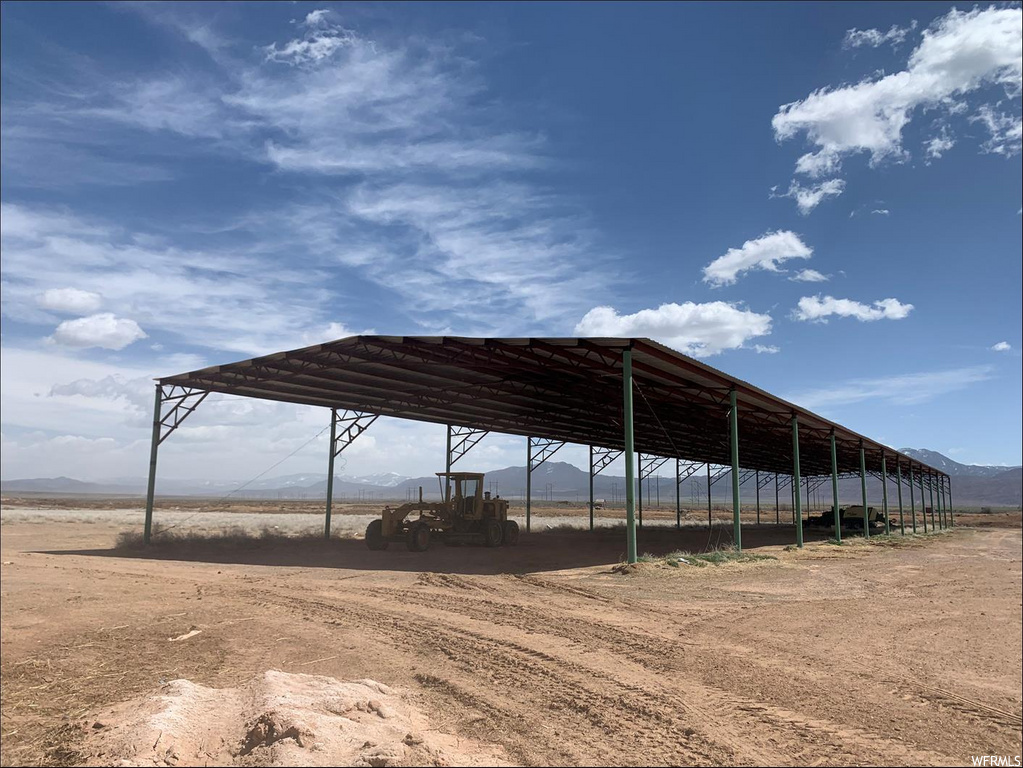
point(538, 551)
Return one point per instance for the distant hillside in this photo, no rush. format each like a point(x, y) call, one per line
point(556, 481)
point(953, 468)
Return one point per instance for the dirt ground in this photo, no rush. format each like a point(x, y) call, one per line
point(888, 653)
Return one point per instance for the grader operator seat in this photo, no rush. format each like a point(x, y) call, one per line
point(465, 492)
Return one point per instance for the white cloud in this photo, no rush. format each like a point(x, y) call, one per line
point(939, 145)
point(70, 300)
point(102, 330)
point(808, 198)
point(881, 212)
point(1002, 346)
point(1005, 131)
point(765, 252)
point(769, 349)
point(817, 309)
point(320, 41)
point(960, 53)
point(809, 276)
point(905, 389)
point(700, 330)
point(856, 38)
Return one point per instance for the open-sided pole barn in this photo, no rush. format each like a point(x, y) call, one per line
point(619, 396)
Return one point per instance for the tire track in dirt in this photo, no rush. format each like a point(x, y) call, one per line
point(652, 730)
point(744, 729)
point(799, 735)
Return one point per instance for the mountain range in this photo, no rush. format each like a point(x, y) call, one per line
point(972, 485)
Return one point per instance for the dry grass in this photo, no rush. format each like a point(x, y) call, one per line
point(226, 538)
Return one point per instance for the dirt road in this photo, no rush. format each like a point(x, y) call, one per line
point(860, 654)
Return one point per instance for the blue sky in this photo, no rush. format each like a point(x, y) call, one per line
point(821, 199)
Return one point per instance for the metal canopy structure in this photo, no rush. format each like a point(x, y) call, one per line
point(557, 389)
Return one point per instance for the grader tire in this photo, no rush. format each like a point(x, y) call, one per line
point(511, 533)
point(492, 532)
point(375, 536)
point(417, 537)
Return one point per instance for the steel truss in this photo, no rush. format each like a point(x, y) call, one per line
point(647, 466)
point(600, 459)
point(544, 447)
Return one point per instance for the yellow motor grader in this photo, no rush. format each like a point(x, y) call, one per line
point(466, 514)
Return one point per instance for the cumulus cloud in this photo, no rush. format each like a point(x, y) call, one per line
point(765, 252)
point(1002, 346)
point(959, 54)
point(102, 330)
point(809, 276)
point(70, 300)
point(700, 330)
point(872, 38)
point(818, 309)
point(809, 197)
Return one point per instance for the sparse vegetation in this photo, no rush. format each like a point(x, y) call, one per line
point(716, 556)
point(231, 537)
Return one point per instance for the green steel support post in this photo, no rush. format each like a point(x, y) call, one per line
point(756, 479)
point(630, 510)
point(591, 487)
point(902, 519)
point(863, 488)
point(639, 461)
point(884, 495)
point(678, 495)
point(777, 502)
point(710, 518)
point(912, 498)
point(447, 468)
point(733, 438)
point(147, 533)
point(529, 478)
point(330, 471)
point(930, 488)
point(797, 513)
point(834, 489)
point(923, 502)
point(951, 513)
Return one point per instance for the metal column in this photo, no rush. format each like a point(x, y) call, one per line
point(678, 493)
point(951, 514)
point(777, 502)
point(734, 440)
point(591, 487)
point(863, 488)
point(639, 460)
point(884, 494)
point(630, 512)
point(923, 503)
point(529, 478)
point(147, 533)
point(834, 489)
point(912, 497)
point(710, 518)
point(930, 488)
point(797, 511)
point(330, 471)
point(898, 477)
point(757, 480)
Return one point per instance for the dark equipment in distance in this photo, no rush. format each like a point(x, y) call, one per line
point(466, 515)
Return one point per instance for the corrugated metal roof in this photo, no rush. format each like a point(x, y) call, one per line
point(559, 388)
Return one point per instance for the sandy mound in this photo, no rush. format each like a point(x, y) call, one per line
point(277, 719)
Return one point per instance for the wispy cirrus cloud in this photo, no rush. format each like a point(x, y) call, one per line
point(903, 389)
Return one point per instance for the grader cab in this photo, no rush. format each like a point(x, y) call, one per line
point(465, 514)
